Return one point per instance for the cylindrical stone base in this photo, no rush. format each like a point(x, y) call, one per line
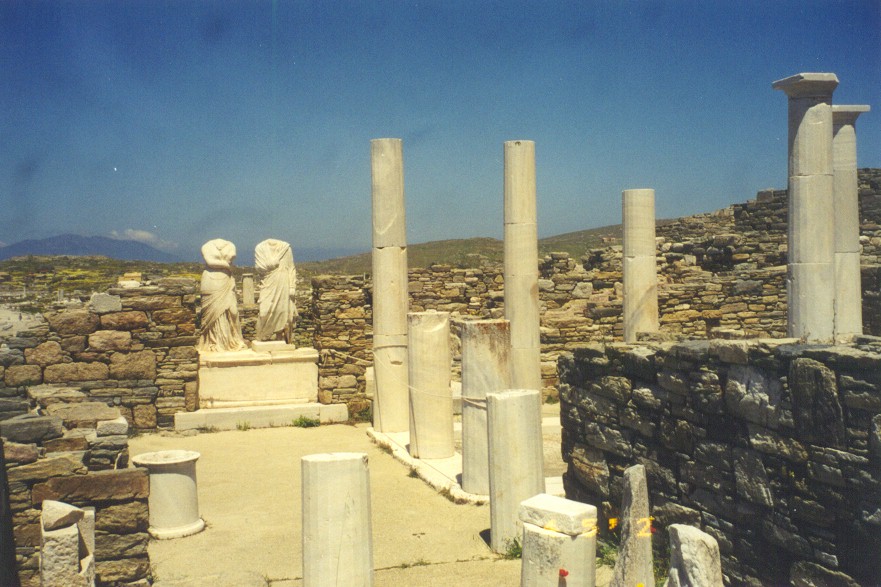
point(548, 555)
point(486, 367)
point(337, 531)
point(174, 499)
point(516, 460)
point(431, 398)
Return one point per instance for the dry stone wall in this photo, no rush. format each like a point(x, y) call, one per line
point(772, 447)
point(720, 274)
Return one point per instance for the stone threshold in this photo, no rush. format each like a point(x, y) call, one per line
point(445, 475)
point(259, 416)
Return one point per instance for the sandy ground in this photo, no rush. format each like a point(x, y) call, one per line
point(249, 492)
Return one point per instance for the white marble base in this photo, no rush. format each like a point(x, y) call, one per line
point(259, 416)
point(278, 374)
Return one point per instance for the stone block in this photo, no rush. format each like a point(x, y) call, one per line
point(123, 518)
point(694, 558)
point(114, 485)
point(20, 454)
point(120, 546)
point(122, 571)
point(73, 322)
point(751, 395)
point(103, 303)
point(816, 407)
point(128, 320)
point(82, 414)
point(9, 356)
point(23, 375)
point(30, 428)
point(52, 466)
point(809, 574)
point(47, 353)
point(590, 469)
point(117, 426)
point(144, 416)
point(751, 479)
point(138, 365)
point(558, 514)
point(110, 340)
point(57, 515)
point(67, 372)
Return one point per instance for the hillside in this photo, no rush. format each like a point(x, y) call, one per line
point(72, 244)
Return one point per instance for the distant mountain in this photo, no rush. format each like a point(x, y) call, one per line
point(72, 244)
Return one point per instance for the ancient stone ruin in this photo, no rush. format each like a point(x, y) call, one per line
point(718, 378)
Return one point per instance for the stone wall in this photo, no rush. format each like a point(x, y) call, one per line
point(772, 447)
point(78, 454)
point(720, 274)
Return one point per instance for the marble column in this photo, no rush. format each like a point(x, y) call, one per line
point(337, 533)
point(810, 284)
point(390, 296)
point(486, 368)
point(521, 264)
point(516, 460)
point(640, 265)
point(848, 284)
point(431, 397)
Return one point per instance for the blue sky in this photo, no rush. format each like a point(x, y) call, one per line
point(175, 122)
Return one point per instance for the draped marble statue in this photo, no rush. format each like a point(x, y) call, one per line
point(221, 330)
point(274, 260)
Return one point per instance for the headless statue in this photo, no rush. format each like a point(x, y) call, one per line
point(221, 330)
point(278, 312)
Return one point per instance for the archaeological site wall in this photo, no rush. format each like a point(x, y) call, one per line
point(772, 447)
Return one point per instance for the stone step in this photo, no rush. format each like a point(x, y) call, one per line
point(259, 416)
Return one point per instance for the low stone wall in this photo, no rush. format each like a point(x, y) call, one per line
point(130, 347)
point(69, 456)
point(773, 448)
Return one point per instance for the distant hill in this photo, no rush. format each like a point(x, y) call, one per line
point(71, 244)
point(471, 252)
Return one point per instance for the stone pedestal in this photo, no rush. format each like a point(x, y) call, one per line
point(390, 297)
point(267, 374)
point(521, 264)
point(431, 398)
point(848, 284)
point(486, 368)
point(174, 498)
point(337, 534)
point(559, 542)
point(634, 565)
point(640, 267)
point(811, 235)
point(248, 289)
point(67, 545)
point(516, 460)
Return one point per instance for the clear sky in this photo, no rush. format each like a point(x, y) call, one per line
point(179, 121)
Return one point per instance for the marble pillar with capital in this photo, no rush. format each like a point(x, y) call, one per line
point(810, 284)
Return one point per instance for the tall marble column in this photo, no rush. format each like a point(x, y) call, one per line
point(810, 284)
point(431, 398)
point(848, 285)
point(640, 265)
point(390, 299)
point(486, 368)
point(521, 264)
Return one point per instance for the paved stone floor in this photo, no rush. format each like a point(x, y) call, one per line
point(249, 492)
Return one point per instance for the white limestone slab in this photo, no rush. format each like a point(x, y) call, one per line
point(558, 514)
point(259, 417)
point(57, 514)
point(547, 555)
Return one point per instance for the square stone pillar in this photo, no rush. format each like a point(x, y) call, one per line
point(848, 284)
point(811, 236)
point(390, 296)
